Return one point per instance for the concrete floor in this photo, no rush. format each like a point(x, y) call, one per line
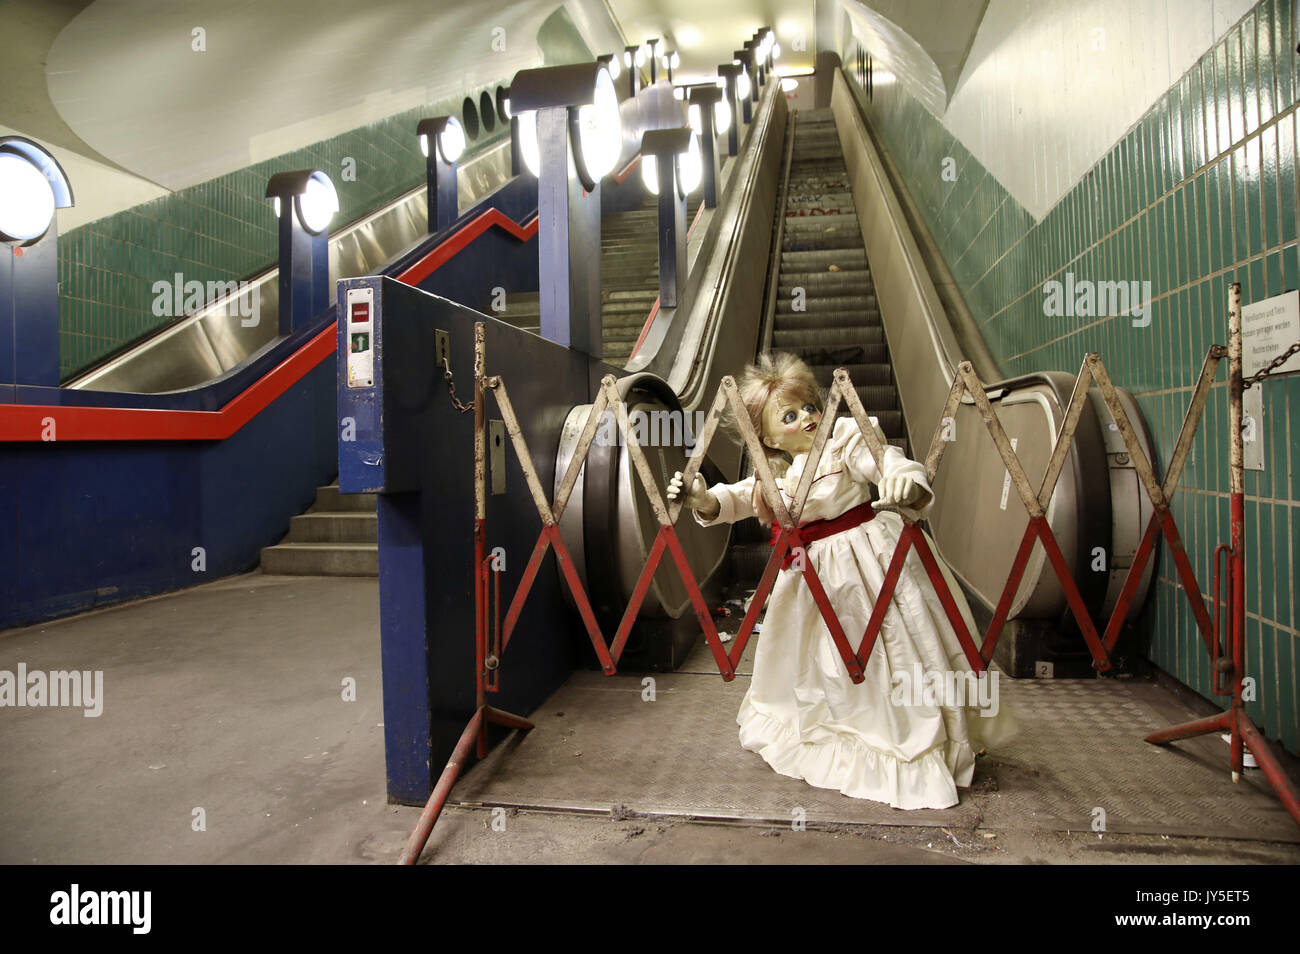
point(224, 704)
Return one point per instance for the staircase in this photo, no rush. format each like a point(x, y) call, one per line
point(839, 323)
point(629, 282)
point(337, 536)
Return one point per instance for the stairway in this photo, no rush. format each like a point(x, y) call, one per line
point(337, 536)
point(629, 282)
point(839, 324)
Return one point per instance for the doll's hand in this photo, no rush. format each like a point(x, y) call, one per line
point(697, 498)
point(899, 492)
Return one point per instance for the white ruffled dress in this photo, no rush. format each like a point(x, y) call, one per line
point(802, 713)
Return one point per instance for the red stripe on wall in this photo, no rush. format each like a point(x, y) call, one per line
point(31, 422)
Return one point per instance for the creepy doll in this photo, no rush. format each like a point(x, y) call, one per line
point(802, 713)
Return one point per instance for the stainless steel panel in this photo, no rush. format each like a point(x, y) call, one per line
point(220, 337)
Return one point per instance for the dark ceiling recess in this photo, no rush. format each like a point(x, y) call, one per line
point(487, 111)
point(501, 105)
point(469, 118)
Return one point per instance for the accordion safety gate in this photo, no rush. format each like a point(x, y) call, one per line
point(1225, 643)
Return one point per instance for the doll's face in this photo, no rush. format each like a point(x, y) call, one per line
point(789, 424)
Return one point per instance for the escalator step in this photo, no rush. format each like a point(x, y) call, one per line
point(818, 303)
point(840, 355)
point(800, 223)
point(822, 241)
point(801, 321)
point(860, 374)
point(830, 337)
point(826, 283)
point(821, 258)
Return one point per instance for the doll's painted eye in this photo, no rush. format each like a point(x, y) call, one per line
point(787, 417)
point(810, 409)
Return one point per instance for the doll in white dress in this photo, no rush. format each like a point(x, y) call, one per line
point(802, 713)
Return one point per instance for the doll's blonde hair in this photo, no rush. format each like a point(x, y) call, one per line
point(780, 373)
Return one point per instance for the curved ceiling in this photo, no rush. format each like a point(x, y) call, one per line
point(181, 94)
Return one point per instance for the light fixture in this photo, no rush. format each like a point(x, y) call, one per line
point(304, 285)
point(315, 199)
point(600, 132)
point(710, 117)
point(789, 84)
point(587, 92)
point(28, 204)
point(671, 168)
point(690, 168)
point(448, 132)
point(32, 186)
point(528, 145)
point(440, 168)
point(743, 86)
point(611, 62)
point(570, 126)
point(721, 118)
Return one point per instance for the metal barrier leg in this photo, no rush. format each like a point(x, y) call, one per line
point(1242, 732)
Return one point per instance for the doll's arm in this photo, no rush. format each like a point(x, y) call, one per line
point(902, 481)
point(733, 501)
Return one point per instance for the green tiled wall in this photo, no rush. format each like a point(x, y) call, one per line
point(220, 230)
point(1200, 192)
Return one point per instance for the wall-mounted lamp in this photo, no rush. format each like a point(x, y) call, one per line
point(570, 137)
point(442, 140)
point(32, 186)
point(304, 243)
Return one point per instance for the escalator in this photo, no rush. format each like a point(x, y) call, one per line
point(826, 310)
point(847, 287)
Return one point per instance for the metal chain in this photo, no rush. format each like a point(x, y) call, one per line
point(1265, 372)
point(451, 390)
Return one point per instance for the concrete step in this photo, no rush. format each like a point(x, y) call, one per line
point(329, 500)
point(321, 559)
point(319, 527)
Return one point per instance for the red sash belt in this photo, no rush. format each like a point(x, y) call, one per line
point(819, 529)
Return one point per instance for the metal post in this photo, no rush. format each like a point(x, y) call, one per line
point(1237, 553)
point(704, 98)
point(568, 242)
